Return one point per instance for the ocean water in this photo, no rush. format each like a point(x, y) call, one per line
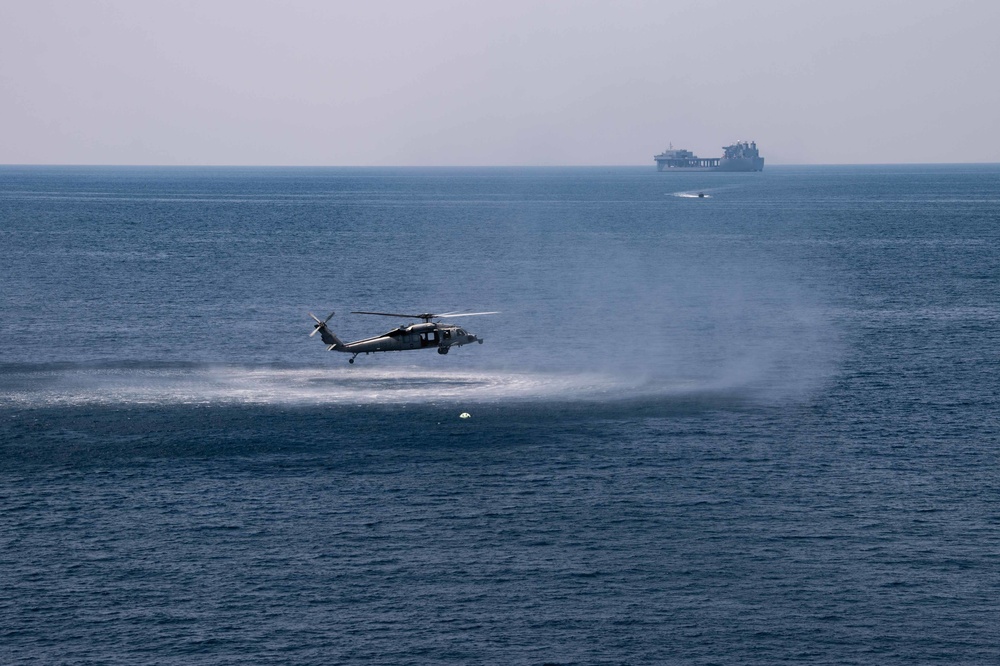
point(755, 427)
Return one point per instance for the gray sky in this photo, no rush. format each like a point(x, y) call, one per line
point(314, 82)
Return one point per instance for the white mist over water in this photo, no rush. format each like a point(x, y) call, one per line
point(654, 313)
point(658, 348)
point(632, 326)
point(403, 384)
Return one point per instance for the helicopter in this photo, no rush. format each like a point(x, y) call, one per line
point(428, 335)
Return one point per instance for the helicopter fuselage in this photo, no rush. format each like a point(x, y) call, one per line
point(430, 335)
point(427, 335)
point(416, 336)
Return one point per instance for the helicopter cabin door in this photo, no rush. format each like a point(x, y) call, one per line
point(429, 339)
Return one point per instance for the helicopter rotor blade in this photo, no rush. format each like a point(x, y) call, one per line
point(465, 314)
point(427, 316)
point(392, 314)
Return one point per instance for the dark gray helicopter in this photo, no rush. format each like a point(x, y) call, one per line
point(428, 335)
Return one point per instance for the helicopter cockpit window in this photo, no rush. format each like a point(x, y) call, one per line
point(461, 332)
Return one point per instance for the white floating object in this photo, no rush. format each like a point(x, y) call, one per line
point(464, 415)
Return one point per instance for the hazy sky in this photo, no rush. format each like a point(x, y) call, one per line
point(511, 82)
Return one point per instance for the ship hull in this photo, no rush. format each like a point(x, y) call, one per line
point(731, 166)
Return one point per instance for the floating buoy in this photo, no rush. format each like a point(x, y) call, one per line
point(464, 415)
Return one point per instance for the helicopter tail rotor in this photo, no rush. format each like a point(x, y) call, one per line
point(320, 323)
point(330, 339)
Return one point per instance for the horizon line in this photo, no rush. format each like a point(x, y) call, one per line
point(458, 166)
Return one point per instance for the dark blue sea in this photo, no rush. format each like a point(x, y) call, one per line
point(760, 426)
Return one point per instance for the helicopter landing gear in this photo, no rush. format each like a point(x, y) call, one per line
point(351, 360)
point(442, 350)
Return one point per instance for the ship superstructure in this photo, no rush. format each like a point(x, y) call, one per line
point(740, 156)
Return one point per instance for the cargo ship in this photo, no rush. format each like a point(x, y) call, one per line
point(741, 156)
